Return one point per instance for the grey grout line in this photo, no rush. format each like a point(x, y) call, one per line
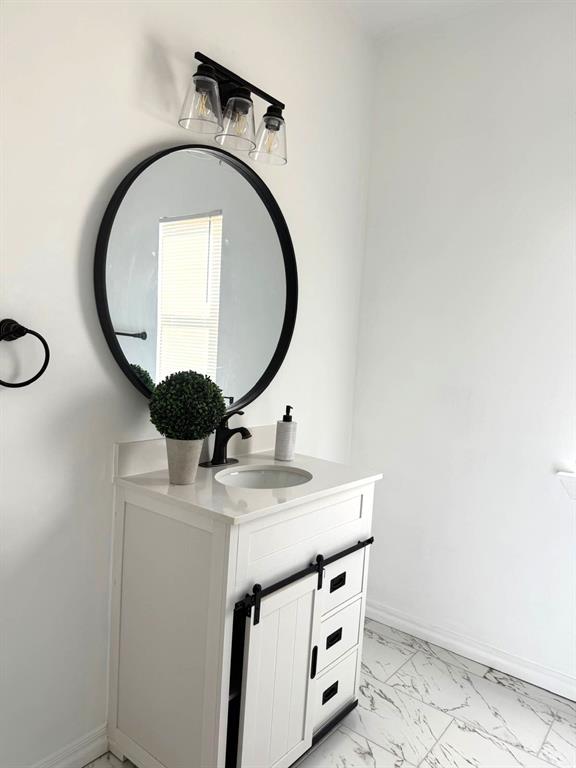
point(385, 747)
point(545, 740)
point(398, 669)
point(436, 742)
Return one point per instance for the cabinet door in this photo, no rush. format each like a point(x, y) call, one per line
point(276, 716)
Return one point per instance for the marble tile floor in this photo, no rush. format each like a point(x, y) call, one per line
point(421, 706)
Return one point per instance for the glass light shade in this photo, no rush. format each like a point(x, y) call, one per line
point(271, 139)
point(201, 111)
point(238, 130)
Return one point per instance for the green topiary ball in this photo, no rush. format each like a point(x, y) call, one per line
point(186, 406)
point(144, 376)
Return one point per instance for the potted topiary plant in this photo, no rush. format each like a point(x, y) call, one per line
point(185, 408)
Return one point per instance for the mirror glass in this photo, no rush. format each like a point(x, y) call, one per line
point(196, 273)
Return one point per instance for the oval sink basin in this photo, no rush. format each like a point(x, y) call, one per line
point(267, 476)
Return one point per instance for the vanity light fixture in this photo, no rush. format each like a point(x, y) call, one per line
point(271, 139)
point(201, 111)
point(212, 86)
point(238, 131)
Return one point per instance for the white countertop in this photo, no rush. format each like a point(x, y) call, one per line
point(238, 505)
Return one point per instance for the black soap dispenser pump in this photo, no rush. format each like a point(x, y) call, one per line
point(285, 437)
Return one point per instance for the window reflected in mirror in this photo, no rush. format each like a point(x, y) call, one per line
point(189, 255)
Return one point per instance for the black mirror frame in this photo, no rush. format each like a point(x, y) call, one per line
point(282, 231)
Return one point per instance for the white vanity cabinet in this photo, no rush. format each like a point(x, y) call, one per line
point(236, 616)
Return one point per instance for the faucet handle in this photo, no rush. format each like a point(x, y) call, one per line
point(224, 422)
point(231, 413)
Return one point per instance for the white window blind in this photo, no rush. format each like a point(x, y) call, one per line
point(189, 294)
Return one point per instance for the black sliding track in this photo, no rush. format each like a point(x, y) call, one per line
point(253, 600)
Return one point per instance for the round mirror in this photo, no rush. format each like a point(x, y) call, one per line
point(195, 270)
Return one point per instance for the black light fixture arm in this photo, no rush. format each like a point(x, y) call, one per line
point(227, 77)
point(10, 330)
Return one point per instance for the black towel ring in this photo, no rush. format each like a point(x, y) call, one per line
point(10, 330)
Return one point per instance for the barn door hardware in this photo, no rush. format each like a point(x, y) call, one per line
point(254, 599)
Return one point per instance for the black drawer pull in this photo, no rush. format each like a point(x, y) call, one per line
point(314, 662)
point(337, 582)
point(334, 638)
point(330, 692)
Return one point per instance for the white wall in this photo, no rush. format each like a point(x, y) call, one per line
point(466, 377)
point(88, 90)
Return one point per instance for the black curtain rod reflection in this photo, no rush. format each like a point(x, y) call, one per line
point(142, 335)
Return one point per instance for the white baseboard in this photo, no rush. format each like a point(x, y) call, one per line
point(531, 672)
point(80, 752)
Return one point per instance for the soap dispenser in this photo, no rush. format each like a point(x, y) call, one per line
point(285, 437)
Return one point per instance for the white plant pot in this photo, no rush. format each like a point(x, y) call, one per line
point(183, 458)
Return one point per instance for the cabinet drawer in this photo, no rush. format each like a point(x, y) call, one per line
point(338, 634)
point(334, 689)
point(342, 580)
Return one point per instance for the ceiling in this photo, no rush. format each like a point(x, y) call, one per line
point(380, 17)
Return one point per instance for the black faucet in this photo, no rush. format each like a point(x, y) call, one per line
point(221, 438)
